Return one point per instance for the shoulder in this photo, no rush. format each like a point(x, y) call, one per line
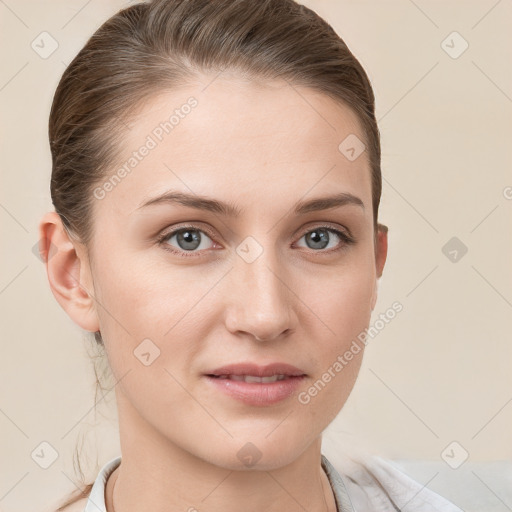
point(373, 481)
point(77, 506)
point(73, 502)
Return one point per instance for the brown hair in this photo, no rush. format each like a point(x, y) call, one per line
point(150, 47)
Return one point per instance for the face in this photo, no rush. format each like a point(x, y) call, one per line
point(267, 277)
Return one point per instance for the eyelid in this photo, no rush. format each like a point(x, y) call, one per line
point(197, 226)
point(327, 225)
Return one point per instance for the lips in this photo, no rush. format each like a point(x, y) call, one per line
point(252, 378)
point(251, 372)
point(254, 385)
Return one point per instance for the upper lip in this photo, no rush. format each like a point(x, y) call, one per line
point(256, 370)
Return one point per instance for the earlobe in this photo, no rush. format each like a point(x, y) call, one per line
point(68, 271)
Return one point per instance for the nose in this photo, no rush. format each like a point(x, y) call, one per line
point(261, 299)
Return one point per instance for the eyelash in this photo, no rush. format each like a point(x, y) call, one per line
point(346, 240)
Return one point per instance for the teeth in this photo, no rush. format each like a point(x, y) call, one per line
point(253, 378)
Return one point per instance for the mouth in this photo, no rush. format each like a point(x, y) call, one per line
point(257, 385)
point(255, 378)
point(251, 372)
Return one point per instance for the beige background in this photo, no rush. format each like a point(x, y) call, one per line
point(438, 373)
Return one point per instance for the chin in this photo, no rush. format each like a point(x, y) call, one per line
point(257, 452)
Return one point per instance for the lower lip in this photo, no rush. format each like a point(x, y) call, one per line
point(258, 393)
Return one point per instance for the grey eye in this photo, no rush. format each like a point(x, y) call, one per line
point(319, 238)
point(188, 239)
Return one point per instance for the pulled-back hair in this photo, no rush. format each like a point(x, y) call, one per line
point(161, 45)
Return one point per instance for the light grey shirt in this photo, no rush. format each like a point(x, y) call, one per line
point(365, 486)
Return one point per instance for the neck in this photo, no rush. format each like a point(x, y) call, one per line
point(290, 499)
point(160, 476)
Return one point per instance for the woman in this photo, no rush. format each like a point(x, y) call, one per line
point(216, 182)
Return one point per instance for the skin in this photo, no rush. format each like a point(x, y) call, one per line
point(261, 146)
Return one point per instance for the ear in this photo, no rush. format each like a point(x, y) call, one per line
point(381, 252)
point(69, 273)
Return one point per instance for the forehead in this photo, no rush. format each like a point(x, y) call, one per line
point(235, 138)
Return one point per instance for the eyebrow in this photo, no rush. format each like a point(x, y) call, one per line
point(230, 210)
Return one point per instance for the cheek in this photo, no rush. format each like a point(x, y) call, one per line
point(148, 308)
point(146, 298)
point(342, 304)
point(145, 325)
point(342, 301)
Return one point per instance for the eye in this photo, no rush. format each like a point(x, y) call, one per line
point(187, 239)
point(320, 239)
